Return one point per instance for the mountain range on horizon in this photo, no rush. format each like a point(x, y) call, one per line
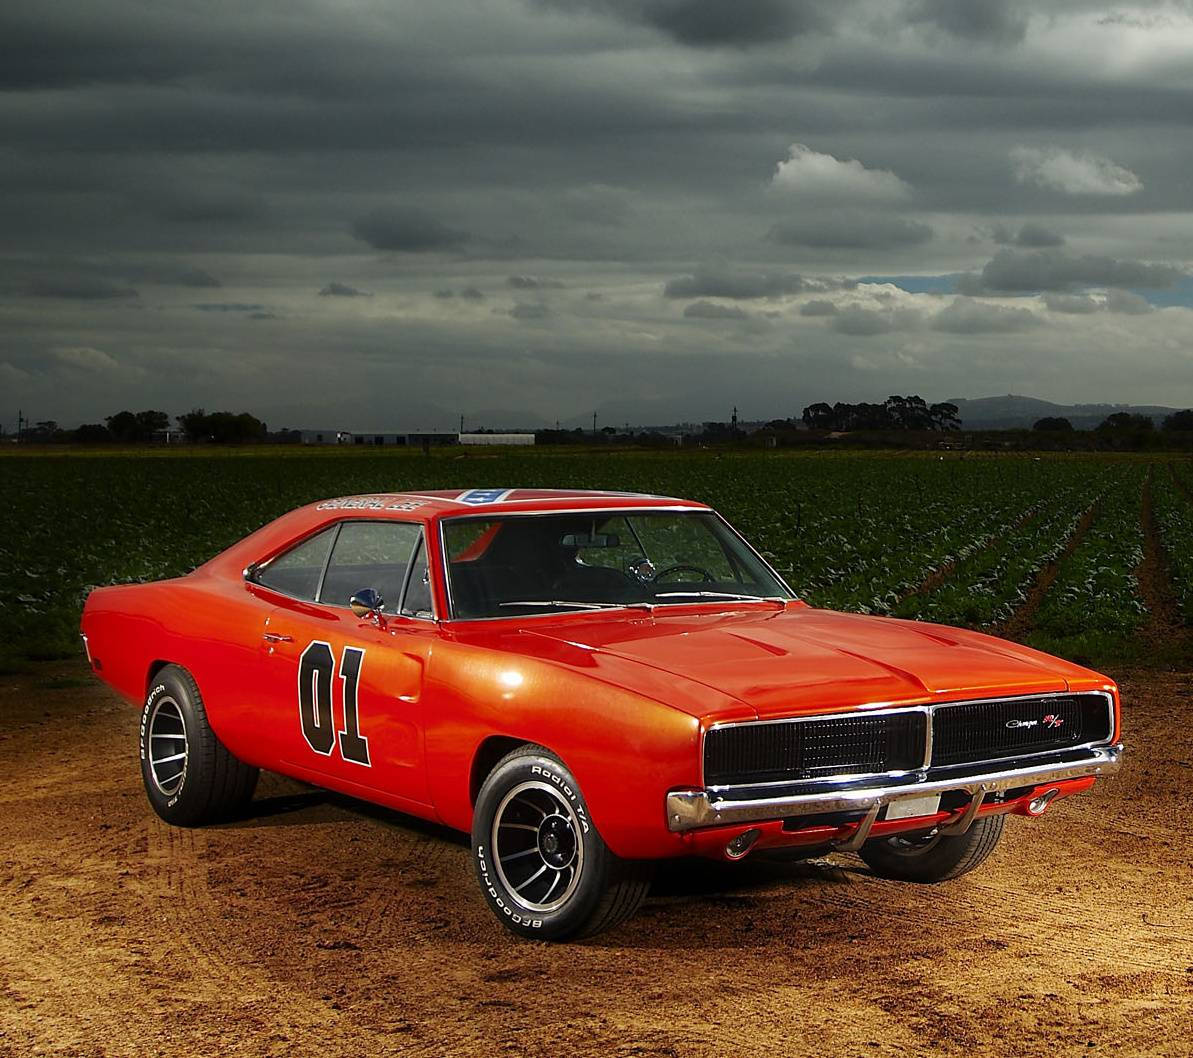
point(1015, 412)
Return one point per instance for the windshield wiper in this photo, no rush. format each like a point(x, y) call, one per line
point(577, 605)
point(719, 595)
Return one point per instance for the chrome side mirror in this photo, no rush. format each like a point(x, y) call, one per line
point(367, 603)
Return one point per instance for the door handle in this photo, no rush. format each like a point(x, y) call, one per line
point(277, 637)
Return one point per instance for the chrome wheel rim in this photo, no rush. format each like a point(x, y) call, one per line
point(537, 845)
point(167, 746)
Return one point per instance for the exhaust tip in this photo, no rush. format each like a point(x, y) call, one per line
point(740, 845)
point(1037, 805)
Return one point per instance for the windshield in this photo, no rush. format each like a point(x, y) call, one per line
point(555, 563)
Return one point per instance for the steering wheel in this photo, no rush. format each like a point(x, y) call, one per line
point(684, 567)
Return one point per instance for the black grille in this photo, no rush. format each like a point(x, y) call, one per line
point(977, 731)
point(809, 749)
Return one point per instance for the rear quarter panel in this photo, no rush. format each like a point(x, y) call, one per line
point(200, 622)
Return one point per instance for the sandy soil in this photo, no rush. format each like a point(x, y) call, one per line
point(320, 926)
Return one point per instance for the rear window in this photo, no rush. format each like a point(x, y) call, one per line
point(297, 571)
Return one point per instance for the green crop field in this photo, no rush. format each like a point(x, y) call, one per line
point(1087, 556)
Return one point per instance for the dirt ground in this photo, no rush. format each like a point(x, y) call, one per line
point(321, 926)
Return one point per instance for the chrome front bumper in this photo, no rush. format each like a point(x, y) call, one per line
point(690, 809)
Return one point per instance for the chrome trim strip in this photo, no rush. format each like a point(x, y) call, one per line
point(930, 708)
point(689, 809)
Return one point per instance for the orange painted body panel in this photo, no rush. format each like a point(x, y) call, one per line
point(621, 696)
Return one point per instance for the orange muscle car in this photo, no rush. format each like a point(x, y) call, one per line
point(588, 682)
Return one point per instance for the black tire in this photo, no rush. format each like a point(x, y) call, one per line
point(206, 783)
point(582, 887)
point(920, 858)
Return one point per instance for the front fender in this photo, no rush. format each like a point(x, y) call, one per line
point(625, 750)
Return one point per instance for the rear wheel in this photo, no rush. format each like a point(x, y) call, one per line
point(542, 867)
point(190, 777)
point(932, 857)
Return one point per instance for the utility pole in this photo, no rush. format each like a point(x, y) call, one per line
point(20, 421)
point(461, 424)
point(594, 424)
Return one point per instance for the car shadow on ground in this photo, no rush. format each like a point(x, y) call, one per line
point(313, 805)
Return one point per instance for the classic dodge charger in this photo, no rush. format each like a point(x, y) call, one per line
point(588, 682)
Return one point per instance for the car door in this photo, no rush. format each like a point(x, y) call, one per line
point(342, 694)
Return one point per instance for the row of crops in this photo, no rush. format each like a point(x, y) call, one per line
point(956, 540)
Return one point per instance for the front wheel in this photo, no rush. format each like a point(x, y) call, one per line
point(543, 868)
point(932, 857)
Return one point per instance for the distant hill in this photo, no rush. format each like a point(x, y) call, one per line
point(1020, 413)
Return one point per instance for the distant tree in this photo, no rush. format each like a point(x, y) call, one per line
point(819, 416)
point(1179, 420)
point(122, 426)
point(45, 432)
point(1053, 424)
point(1122, 420)
point(945, 416)
point(92, 433)
point(150, 422)
point(139, 427)
point(195, 425)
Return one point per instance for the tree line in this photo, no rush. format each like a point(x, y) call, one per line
point(197, 426)
point(895, 413)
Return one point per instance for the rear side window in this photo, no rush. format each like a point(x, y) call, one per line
point(297, 572)
point(370, 555)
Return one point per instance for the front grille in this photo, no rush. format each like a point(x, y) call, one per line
point(872, 744)
point(978, 731)
point(810, 749)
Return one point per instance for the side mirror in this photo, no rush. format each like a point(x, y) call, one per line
point(367, 602)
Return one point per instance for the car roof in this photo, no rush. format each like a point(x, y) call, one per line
point(438, 503)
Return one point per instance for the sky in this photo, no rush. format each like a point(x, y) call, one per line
point(386, 214)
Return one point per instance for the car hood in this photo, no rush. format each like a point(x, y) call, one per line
point(802, 660)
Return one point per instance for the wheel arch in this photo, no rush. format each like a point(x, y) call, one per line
point(155, 667)
point(487, 755)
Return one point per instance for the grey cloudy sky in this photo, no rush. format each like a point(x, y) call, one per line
point(372, 213)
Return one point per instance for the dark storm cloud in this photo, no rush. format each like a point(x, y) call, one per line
point(78, 287)
point(533, 283)
point(1031, 234)
point(406, 230)
point(714, 23)
point(862, 322)
point(207, 206)
point(530, 311)
point(710, 310)
point(850, 230)
point(227, 306)
point(343, 290)
point(985, 21)
point(1072, 304)
point(964, 316)
point(1011, 272)
point(818, 307)
point(1127, 303)
point(741, 286)
point(472, 294)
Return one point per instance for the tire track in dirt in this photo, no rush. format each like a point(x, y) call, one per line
point(1020, 622)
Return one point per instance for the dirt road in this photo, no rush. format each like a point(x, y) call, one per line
point(320, 926)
